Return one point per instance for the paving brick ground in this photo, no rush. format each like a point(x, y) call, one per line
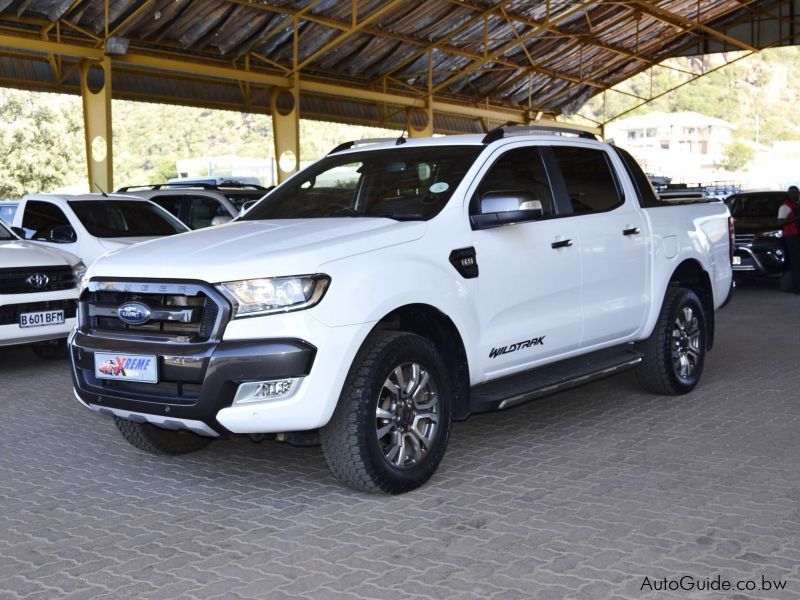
point(580, 495)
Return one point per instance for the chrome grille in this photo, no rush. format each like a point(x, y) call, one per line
point(742, 239)
point(178, 313)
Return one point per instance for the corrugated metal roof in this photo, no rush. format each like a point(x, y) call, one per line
point(548, 56)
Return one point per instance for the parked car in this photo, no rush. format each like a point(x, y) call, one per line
point(7, 210)
point(428, 280)
point(92, 224)
point(38, 294)
point(199, 204)
point(758, 241)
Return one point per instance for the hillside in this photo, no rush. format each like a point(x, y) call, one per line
point(42, 134)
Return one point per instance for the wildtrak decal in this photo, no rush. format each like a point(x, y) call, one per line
point(537, 341)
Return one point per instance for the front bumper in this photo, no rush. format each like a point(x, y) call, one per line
point(196, 381)
point(760, 258)
point(12, 305)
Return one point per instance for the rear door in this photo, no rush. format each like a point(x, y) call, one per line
point(614, 243)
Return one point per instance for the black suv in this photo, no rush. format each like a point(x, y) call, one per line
point(759, 248)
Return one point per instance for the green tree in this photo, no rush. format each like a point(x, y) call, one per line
point(737, 155)
point(40, 143)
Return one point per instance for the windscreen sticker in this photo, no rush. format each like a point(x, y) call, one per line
point(439, 187)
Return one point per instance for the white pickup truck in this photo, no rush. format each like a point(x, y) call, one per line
point(394, 287)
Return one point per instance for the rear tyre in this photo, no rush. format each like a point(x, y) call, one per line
point(674, 354)
point(391, 425)
point(155, 440)
point(55, 350)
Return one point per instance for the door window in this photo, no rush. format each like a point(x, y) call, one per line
point(41, 219)
point(171, 204)
point(520, 171)
point(588, 178)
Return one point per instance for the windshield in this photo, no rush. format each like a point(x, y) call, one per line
point(125, 218)
point(761, 206)
point(5, 234)
point(239, 198)
point(398, 183)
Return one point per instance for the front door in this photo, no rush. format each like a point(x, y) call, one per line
point(529, 273)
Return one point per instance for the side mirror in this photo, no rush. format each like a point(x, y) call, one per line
point(63, 234)
point(19, 231)
point(505, 208)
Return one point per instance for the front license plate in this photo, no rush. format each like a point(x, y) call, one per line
point(737, 260)
point(39, 319)
point(126, 367)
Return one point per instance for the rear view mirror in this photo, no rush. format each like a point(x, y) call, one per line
point(505, 208)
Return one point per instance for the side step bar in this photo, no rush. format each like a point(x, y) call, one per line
point(549, 379)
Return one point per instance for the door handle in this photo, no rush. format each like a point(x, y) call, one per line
point(631, 231)
point(561, 244)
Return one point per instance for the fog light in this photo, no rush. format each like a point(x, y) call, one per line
point(266, 391)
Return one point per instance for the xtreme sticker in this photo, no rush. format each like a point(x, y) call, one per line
point(537, 341)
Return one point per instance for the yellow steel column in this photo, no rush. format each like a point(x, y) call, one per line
point(419, 122)
point(286, 129)
point(96, 93)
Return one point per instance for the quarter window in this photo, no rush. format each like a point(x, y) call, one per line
point(588, 178)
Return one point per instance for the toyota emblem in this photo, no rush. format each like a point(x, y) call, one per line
point(38, 280)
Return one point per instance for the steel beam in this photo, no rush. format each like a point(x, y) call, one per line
point(97, 125)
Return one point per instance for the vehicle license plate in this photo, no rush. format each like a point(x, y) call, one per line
point(42, 318)
point(127, 367)
point(737, 260)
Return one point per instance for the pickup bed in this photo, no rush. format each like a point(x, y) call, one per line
point(394, 287)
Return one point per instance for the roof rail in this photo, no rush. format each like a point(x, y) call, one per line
point(500, 132)
point(367, 142)
point(203, 186)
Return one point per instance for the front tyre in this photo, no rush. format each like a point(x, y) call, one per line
point(155, 440)
point(391, 425)
point(674, 354)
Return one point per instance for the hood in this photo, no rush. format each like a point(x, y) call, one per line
point(16, 254)
point(250, 249)
point(122, 242)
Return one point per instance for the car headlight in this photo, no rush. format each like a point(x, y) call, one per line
point(78, 272)
point(251, 297)
point(771, 234)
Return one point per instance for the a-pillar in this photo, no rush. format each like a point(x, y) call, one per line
point(286, 129)
point(96, 93)
point(419, 122)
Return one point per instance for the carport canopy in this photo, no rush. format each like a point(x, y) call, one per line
point(425, 66)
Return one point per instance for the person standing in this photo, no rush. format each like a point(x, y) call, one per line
point(788, 216)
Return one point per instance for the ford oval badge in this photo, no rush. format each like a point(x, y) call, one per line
point(133, 313)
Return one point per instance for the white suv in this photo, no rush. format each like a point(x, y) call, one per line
point(38, 294)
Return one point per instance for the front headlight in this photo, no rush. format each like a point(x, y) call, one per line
point(78, 271)
point(771, 234)
point(251, 297)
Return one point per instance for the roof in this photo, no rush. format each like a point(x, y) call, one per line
point(657, 118)
point(475, 63)
point(81, 197)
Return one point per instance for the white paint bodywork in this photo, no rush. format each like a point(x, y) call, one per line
point(604, 290)
point(18, 254)
point(87, 246)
